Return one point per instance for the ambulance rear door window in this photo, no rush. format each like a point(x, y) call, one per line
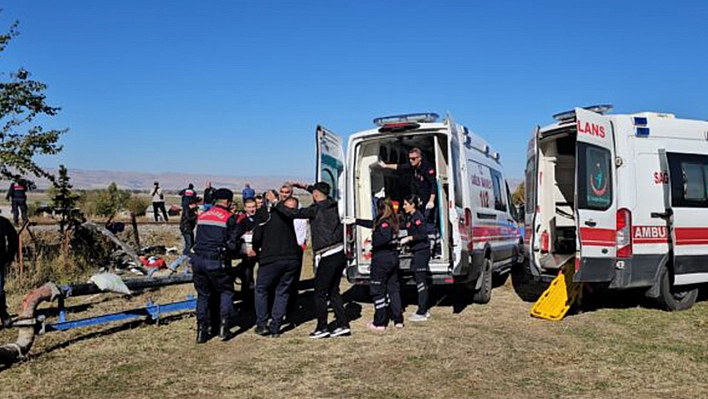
point(594, 177)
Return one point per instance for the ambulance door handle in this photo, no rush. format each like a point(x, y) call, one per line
point(662, 215)
point(590, 223)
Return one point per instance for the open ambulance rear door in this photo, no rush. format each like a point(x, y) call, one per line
point(597, 219)
point(331, 164)
point(455, 200)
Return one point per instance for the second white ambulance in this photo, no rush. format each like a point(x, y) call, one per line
point(624, 197)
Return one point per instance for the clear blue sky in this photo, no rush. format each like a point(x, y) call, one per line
point(237, 88)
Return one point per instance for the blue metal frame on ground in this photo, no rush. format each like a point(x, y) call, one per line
point(151, 311)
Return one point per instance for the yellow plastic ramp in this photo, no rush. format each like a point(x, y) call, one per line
point(555, 302)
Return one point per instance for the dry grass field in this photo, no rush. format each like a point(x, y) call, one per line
point(483, 351)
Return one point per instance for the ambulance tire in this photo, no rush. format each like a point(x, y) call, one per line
point(672, 298)
point(525, 286)
point(484, 293)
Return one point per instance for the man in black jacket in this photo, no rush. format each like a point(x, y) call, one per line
point(187, 224)
point(328, 247)
point(279, 256)
point(8, 250)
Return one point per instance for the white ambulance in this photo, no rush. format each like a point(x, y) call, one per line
point(624, 197)
point(477, 236)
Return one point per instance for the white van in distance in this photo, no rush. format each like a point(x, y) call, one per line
point(625, 198)
point(477, 236)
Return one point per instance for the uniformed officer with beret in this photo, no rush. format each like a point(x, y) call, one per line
point(216, 243)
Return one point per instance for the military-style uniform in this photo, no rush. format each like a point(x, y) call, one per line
point(18, 195)
point(420, 247)
point(215, 245)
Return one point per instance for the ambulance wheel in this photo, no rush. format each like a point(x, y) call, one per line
point(674, 298)
point(484, 294)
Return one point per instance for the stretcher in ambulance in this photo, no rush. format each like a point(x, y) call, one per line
point(476, 238)
point(623, 197)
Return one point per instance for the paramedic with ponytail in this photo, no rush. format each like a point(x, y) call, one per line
point(418, 243)
point(384, 265)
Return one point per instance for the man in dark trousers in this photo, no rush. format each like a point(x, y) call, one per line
point(187, 224)
point(158, 202)
point(188, 194)
point(245, 224)
point(328, 247)
point(8, 250)
point(279, 256)
point(423, 181)
point(18, 195)
point(215, 246)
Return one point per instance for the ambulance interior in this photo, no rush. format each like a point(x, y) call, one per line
point(372, 182)
point(555, 222)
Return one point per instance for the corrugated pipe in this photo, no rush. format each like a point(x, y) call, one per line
point(27, 323)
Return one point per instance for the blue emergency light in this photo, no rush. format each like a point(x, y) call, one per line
point(640, 121)
point(642, 131)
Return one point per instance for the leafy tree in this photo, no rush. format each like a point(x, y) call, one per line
point(111, 201)
point(137, 205)
point(518, 197)
point(22, 101)
point(66, 201)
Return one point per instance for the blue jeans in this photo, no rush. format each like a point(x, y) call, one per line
point(188, 243)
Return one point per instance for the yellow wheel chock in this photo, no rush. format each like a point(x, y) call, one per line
point(563, 292)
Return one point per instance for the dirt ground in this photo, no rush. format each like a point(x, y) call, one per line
point(487, 351)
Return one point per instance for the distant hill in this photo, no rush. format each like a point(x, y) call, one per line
point(139, 181)
point(91, 179)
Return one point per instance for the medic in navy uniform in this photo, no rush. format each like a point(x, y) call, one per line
point(423, 182)
point(18, 195)
point(419, 244)
point(216, 244)
point(188, 194)
point(384, 285)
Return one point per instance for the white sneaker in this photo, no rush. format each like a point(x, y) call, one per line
point(418, 317)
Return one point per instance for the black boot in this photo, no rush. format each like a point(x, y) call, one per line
point(224, 332)
point(202, 333)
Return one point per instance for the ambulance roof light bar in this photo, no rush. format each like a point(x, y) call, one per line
point(600, 109)
point(422, 117)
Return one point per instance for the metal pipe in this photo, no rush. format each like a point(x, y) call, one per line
point(71, 290)
point(27, 323)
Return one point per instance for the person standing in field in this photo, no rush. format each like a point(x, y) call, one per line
point(215, 246)
point(17, 194)
point(187, 224)
point(158, 202)
point(188, 194)
point(8, 249)
point(384, 285)
point(247, 192)
point(208, 196)
point(419, 244)
point(328, 247)
point(279, 259)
